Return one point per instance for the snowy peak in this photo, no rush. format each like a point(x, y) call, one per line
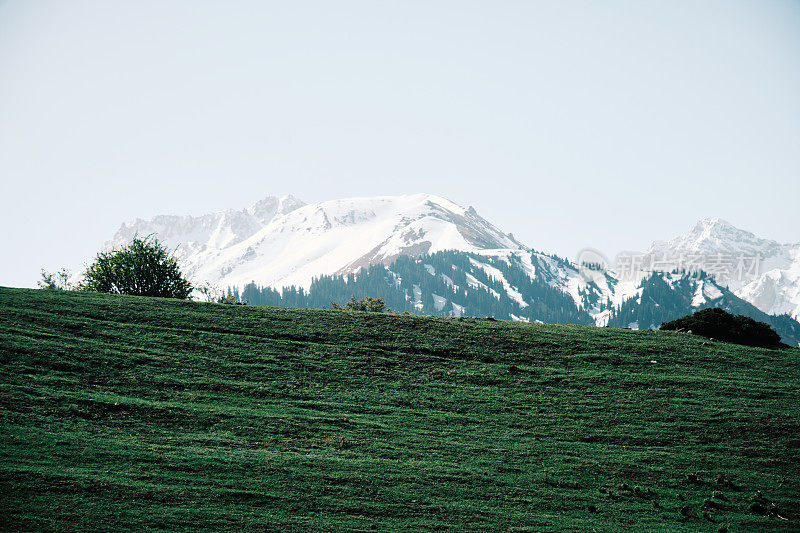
point(415, 216)
point(714, 235)
point(265, 210)
point(761, 271)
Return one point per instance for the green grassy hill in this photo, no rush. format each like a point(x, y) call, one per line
point(138, 413)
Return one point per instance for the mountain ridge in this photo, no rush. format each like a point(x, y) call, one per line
point(293, 246)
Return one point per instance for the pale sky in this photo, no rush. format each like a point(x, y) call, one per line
point(571, 124)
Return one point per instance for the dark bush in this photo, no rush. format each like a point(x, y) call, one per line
point(719, 324)
point(757, 508)
point(368, 304)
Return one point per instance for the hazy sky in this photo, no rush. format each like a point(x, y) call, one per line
point(570, 124)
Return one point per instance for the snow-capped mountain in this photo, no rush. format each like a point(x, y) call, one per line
point(281, 242)
point(761, 271)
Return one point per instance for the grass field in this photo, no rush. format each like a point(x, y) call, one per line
point(137, 413)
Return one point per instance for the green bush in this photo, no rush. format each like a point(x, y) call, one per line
point(719, 324)
point(142, 268)
point(368, 304)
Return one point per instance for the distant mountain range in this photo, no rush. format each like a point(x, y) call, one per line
point(425, 254)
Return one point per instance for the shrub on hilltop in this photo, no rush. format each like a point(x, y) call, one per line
point(142, 268)
point(368, 304)
point(719, 324)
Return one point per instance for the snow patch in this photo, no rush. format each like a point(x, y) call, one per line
point(495, 273)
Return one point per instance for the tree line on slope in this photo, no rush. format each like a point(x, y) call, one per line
point(442, 284)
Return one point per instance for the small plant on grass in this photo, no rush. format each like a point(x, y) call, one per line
point(56, 281)
point(230, 299)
